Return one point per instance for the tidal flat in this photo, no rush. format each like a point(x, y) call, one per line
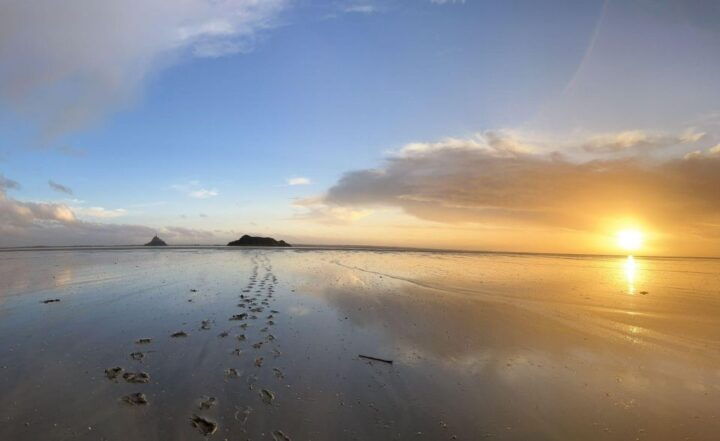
point(328, 344)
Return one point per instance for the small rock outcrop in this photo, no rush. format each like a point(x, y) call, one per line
point(253, 241)
point(156, 242)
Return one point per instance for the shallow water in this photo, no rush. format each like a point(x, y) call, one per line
point(510, 347)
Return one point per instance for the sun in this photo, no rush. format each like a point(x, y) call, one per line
point(630, 240)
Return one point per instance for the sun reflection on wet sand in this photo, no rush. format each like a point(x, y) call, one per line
point(630, 268)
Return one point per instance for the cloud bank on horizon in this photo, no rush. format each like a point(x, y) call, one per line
point(56, 224)
point(495, 180)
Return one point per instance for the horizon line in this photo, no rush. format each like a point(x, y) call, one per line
point(345, 247)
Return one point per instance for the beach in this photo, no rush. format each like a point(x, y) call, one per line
point(328, 344)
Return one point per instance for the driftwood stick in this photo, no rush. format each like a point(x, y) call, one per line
point(375, 358)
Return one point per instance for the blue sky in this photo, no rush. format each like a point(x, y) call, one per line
point(169, 136)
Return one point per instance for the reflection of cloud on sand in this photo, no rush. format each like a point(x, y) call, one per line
point(299, 310)
point(543, 313)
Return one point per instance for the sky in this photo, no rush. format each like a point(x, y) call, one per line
point(480, 125)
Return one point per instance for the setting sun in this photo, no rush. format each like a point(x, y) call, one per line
point(630, 240)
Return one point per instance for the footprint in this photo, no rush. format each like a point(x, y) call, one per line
point(143, 341)
point(278, 435)
point(207, 402)
point(242, 415)
point(136, 377)
point(113, 373)
point(204, 425)
point(179, 334)
point(267, 396)
point(136, 399)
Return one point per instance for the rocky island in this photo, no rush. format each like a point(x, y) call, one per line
point(253, 241)
point(156, 242)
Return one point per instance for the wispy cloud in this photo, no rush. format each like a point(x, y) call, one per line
point(203, 193)
point(298, 181)
point(194, 190)
point(711, 152)
point(362, 8)
point(6, 184)
point(65, 64)
point(638, 140)
point(60, 188)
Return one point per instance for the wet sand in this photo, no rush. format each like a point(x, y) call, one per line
point(193, 344)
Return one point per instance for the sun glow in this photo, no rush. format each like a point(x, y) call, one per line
point(630, 240)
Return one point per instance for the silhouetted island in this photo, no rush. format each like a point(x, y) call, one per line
point(252, 241)
point(156, 242)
